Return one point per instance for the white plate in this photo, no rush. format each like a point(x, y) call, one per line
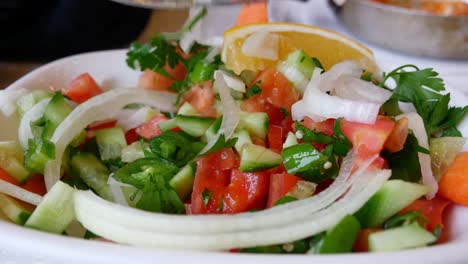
point(21, 245)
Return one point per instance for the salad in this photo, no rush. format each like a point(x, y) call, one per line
point(268, 145)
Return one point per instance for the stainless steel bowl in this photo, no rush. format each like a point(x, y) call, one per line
point(406, 30)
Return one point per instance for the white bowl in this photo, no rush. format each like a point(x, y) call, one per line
point(21, 245)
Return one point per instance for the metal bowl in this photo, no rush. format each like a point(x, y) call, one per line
point(406, 30)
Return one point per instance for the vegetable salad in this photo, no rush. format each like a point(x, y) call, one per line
point(284, 159)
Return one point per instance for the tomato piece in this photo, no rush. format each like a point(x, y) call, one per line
point(151, 129)
point(104, 125)
point(372, 136)
point(82, 88)
point(432, 209)
point(224, 159)
point(7, 177)
point(280, 185)
point(34, 184)
point(155, 81)
point(325, 127)
point(275, 138)
point(202, 97)
point(131, 136)
point(246, 191)
point(362, 241)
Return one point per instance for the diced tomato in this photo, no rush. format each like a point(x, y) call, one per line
point(151, 128)
point(372, 136)
point(202, 97)
point(325, 127)
point(34, 184)
point(131, 136)
point(6, 177)
point(104, 125)
point(275, 138)
point(155, 81)
point(82, 88)
point(432, 209)
point(362, 241)
point(246, 191)
point(224, 159)
point(280, 185)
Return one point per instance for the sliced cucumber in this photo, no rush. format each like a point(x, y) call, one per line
point(194, 125)
point(213, 129)
point(182, 182)
point(90, 169)
point(168, 125)
point(399, 238)
point(55, 212)
point(291, 140)
point(254, 158)
point(39, 152)
point(389, 200)
point(243, 138)
point(14, 210)
point(26, 102)
point(110, 141)
point(132, 152)
point(12, 159)
point(187, 110)
point(256, 123)
point(56, 111)
point(302, 62)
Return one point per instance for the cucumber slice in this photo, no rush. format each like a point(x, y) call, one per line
point(213, 129)
point(256, 123)
point(194, 125)
point(132, 152)
point(56, 111)
point(39, 152)
point(55, 212)
point(90, 169)
point(26, 102)
point(339, 239)
point(182, 182)
point(12, 159)
point(291, 140)
point(110, 142)
point(187, 110)
point(254, 158)
point(303, 62)
point(443, 152)
point(243, 138)
point(389, 200)
point(404, 237)
point(13, 210)
point(168, 125)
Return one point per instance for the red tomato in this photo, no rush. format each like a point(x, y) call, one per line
point(325, 127)
point(151, 128)
point(155, 81)
point(104, 125)
point(202, 97)
point(372, 136)
point(131, 136)
point(82, 88)
point(6, 177)
point(362, 241)
point(246, 191)
point(432, 209)
point(34, 184)
point(280, 185)
point(275, 138)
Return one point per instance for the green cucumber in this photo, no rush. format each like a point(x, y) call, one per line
point(302, 62)
point(39, 152)
point(110, 142)
point(213, 129)
point(389, 200)
point(91, 170)
point(26, 102)
point(254, 158)
point(167, 125)
point(291, 140)
point(55, 212)
point(399, 238)
point(256, 123)
point(13, 210)
point(187, 110)
point(243, 138)
point(194, 125)
point(12, 159)
point(56, 111)
point(182, 182)
point(133, 152)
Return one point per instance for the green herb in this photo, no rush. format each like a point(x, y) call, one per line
point(305, 161)
point(89, 235)
point(451, 132)
point(411, 171)
point(405, 219)
point(221, 205)
point(437, 232)
point(284, 200)
point(366, 76)
point(285, 112)
point(206, 196)
point(220, 144)
point(423, 89)
point(313, 136)
point(318, 63)
point(159, 196)
point(342, 143)
point(114, 164)
point(254, 90)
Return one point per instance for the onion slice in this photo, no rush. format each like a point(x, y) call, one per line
point(293, 75)
point(8, 99)
point(262, 44)
point(101, 107)
point(19, 193)
point(132, 118)
point(24, 130)
point(353, 88)
point(349, 68)
point(232, 82)
point(416, 124)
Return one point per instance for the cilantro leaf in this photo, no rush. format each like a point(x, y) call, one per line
point(342, 143)
point(313, 136)
point(206, 196)
point(411, 170)
point(220, 144)
point(253, 91)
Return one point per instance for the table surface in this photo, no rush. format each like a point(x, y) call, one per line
point(160, 21)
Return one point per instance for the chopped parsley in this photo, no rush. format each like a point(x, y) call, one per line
point(254, 90)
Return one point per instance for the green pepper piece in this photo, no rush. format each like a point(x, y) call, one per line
point(203, 71)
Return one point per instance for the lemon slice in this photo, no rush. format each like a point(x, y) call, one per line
point(328, 46)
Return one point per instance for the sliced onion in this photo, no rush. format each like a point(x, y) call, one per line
point(231, 111)
point(24, 130)
point(367, 184)
point(186, 41)
point(19, 193)
point(101, 107)
point(8, 99)
point(321, 106)
point(262, 44)
point(416, 124)
point(132, 118)
point(214, 51)
point(349, 68)
point(116, 190)
point(353, 88)
point(232, 82)
point(293, 75)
